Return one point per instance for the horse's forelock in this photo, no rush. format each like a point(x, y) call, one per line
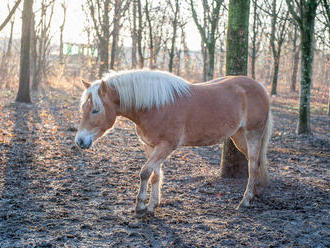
point(93, 92)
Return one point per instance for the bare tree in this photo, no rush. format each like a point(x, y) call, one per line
point(99, 12)
point(295, 61)
point(139, 34)
point(64, 7)
point(5, 66)
point(256, 34)
point(42, 43)
point(208, 30)
point(326, 13)
point(175, 25)
point(279, 20)
point(120, 8)
point(23, 94)
point(133, 28)
point(11, 13)
point(147, 30)
point(305, 17)
point(233, 162)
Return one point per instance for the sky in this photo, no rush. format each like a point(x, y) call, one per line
point(74, 26)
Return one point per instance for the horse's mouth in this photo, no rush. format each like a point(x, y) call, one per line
point(83, 144)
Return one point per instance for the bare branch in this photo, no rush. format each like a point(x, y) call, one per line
point(11, 13)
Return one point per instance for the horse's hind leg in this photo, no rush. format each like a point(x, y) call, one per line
point(254, 141)
point(240, 141)
point(157, 156)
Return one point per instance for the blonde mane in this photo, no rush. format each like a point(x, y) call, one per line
point(140, 89)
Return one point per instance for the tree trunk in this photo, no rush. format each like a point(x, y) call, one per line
point(173, 39)
point(34, 55)
point(151, 38)
point(115, 35)
point(305, 83)
point(234, 163)
point(329, 103)
point(295, 62)
point(307, 33)
point(254, 41)
point(275, 74)
point(134, 37)
point(61, 46)
point(171, 55)
point(61, 32)
point(205, 61)
point(221, 58)
point(139, 35)
point(10, 41)
point(104, 40)
point(210, 68)
point(103, 55)
point(23, 94)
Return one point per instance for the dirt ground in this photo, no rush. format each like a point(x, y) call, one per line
point(55, 195)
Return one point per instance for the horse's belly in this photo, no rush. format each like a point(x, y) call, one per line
point(203, 140)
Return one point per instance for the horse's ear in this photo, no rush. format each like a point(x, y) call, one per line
point(103, 88)
point(86, 85)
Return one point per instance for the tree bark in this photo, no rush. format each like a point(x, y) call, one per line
point(329, 103)
point(115, 35)
point(104, 41)
point(151, 37)
point(61, 32)
point(275, 74)
point(10, 41)
point(134, 36)
point(103, 56)
point(139, 35)
point(295, 62)
point(233, 162)
point(307, 33)
point(210, 69)
point(23, 94)
point(173, 39)
point(305, 84)
point(305, 17)
point(254, 41)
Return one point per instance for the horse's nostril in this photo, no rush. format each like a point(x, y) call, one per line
point(80, 142)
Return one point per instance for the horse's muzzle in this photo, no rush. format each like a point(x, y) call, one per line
point(83, 144)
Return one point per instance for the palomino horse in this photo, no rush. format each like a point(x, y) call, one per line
point(170, 112)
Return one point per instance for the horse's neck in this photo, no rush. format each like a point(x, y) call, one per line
point(131, 115)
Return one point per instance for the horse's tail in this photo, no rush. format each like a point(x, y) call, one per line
point(263, 176)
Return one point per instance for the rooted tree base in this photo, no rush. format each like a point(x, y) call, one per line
point(233, 162)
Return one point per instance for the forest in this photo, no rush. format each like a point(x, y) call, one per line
point(53, 193)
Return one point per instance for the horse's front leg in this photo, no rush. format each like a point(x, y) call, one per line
point(156, 157)
point(156, 183)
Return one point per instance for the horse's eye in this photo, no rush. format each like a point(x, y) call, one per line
point(95, 111)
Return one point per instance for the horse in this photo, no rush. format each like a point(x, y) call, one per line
point(169, 112)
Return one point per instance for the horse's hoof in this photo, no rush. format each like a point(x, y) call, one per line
point(242, 205)
point(150, 213)
point(140, 211)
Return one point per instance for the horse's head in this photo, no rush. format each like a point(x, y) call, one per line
point(99, 110)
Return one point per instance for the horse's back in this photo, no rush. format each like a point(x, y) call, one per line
point(239, 92)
